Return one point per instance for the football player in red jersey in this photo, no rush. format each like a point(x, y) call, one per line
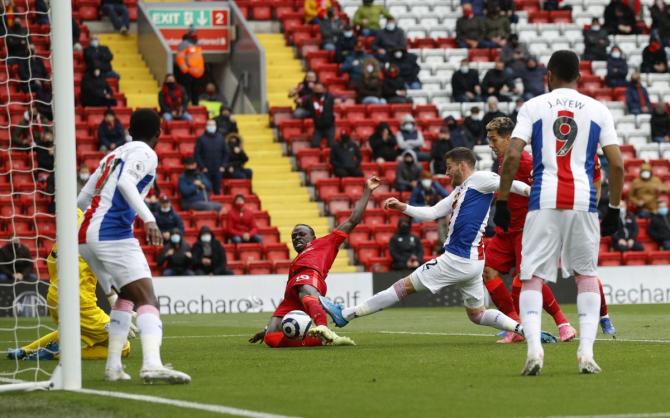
point(307, 280)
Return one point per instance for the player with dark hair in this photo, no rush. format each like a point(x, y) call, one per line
point(112, 198)
point(307, 280)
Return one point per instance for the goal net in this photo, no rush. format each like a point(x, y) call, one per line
point(32, 56)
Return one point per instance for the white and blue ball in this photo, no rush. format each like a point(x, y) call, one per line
point(295, 325)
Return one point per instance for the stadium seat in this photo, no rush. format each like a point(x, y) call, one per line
point(234, 187)
point(327, 187)
point(659, 257)
point(308, 156)
point(237, 267)
point(367, 249)
point(337, 202)
point(634, 258)
point(353, 186)
point(281, 266)
point(276, 251)
point(249, 252)
point(609, 259)
point(270, 235)
point(360, 234)
point(206, 218)
point(259, 267)
point(378, 264)
point(374, 217)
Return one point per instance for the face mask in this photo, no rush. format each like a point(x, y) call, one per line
point(210, 129)
point(645, 175)
point(407, 126)
point(175, 239)
point(165, 209)
point(170, 83)
point(616, 54)
point(465, 69)
point(96, 73)
point(478, 116)
point(370, 68)
point(348, 34)
point(595, 28)
point(239, 204)
point(190, 171)
point(468, 13)
point(95, 44)
point(409, 161)
point(426, 183)
point(206, 238)
point(662, 211)
point(403, 229)
point(635, 80)
point(84, 176)
point(390, 26)
point(397, 54)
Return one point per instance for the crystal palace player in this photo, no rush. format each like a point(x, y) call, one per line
point(564, 129)
point(112, 197)
point(307, 280)
point(504, 251)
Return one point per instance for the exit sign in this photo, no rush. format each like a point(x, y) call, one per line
point(210, 22)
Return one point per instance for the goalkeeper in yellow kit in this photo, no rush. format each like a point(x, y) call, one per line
point(93, 319)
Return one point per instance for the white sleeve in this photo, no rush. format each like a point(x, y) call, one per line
point(485, 181)
point(608, 135)
point(87, 192)
point(430, 213)
point(521, 188)
point(136, 168)
point(524, 125)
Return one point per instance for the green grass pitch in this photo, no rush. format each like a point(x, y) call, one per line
point(408, 363)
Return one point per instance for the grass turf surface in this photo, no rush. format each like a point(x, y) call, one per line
point(408, 363)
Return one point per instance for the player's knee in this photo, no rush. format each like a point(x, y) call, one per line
point(535, 283)
point(475, 315)
point(307, 290)
point(587, 284)
point(489, 274)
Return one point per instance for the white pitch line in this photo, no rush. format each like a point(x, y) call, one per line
point(632, 415)
point(464, 334)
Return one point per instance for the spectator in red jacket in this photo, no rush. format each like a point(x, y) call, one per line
point(242, 223)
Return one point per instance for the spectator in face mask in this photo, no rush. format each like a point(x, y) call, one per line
point(176, 256)
point(644, 192)
point(625, 239)
point(300, 92)
point(497, 28)
point(497, 83)
point(474, 126)
point(470, 29)
point(167, 218)
point(660, 124)
point(383, 144)
point(211, 154)
point(596, 42)
point(367, 17)
point(369, 87)
point(345, 44)
point(465, 85)
point(408, 172)
point(209, 256)
point(440, 147)
point(617, 68)
point(111, 133)
point(194, 188)
point(410, 138)
point(95, 91)
point(533, 79)
point(654, 59)
point(659, 226)
point(345, 158)
point(353, 64)
point(427, 192)
point(225, 122)
point(406, 249)
point(394, 88)
point(16, 263)
point(492, 111)
point(237, 159)
point(620, 19)
point(242, 224)
point(320, 106)
point(389, 38)
point(660, 17)
point(30, 70)
point(407, 66)
point(637, 97)
point(82, 177)
point(96, 55)
point(330, 27)
point(173, 100)
point(457, 134)
point(213, 100)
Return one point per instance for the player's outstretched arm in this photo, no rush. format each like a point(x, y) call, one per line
point(427, 213)
point(359, 209)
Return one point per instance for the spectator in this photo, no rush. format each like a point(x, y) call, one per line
point(620, 19)
point(353, 65)
point(625, 239)
point(474, 126)
point(212, 99)
point(660, 18)
point(515, 56)
point(96, 55)
point(407, 66)
point(345, 44)
point(470, 29)
point(408, 172)
point(167, 218)
point(44, 98)
point(369, 87)
point(394, 88)
point(95, 90)
point(367, 17)
point(211, 154)
point(457, 134)
point(492, 111)
point(45, 151)
point(517, 106)
point(117, 13)
point(152, 198)
point(32, 72)
point(507, 8)
point(242, 224)
point(660, 124)
point(497, 28)
point(383, 144)
point(173, 100)
point(390, 38)
point(617, 68)
point(637, 97)
point(17, 42)
point(406, 249)
point(497, 83)
point(194, 188)
point(552, 5)
point(82, 177)
point(111, 133)
point(176, 256)
point(301, 92)
point(26, 131)
point(315, 10)
point(465, 85)
point(320, 106)
point(16, 263)
point(654, 59)
point(409, 137)
point(330, 28)
point(225, 122)
point(440, 147)
point(191, 64)
point(237, 158)
point(645, 191)
point(478, 6)
point(76, 35)
point(659, 226)
point(596, 42)
point(427, 192)
point(209, 256)
point(533, 79)
point(345, 157)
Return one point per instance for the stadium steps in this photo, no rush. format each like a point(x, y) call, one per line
point(283, 70)
point(137, 82)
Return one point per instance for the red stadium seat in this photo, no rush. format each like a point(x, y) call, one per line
point(429, 231)
point(360, 234)
point(367, 249)
point(205, 218)
point(262, 219)
point(315, 172)
point(374, 217)
point(277, 251)
point(370, 169)
point(308, 156)
point(378, 264)
point(353, 186)
point(382, 233)
point(270, 235)
point(659, 257)
point(234, 187)
point(281, 266)
point(259, 267)
point(337, 202)
point(634, 258)
point(609, 259)
point(237, 267)
point(327, 187)
point(248, 252)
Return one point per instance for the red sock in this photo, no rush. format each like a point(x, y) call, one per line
point(516, 291)
point(501, 297)
point(314, 310)
point(277, 339)
point(552, 307)
point(603, 303)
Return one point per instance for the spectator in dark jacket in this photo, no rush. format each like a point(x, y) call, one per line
point(211, 154)
point(16, 263)
point(17, 42)
point(194, 188)
point(42, 10)
point(457, 134)
point(408, 68)
point(533, 79)
point(390, 38)
point(167, 218)
point(409, 137)
point(497, 83)
point(369, 87)
point(659, 226)
point(515, 55)
point(470, 29)
point(394, 89)
point(237, 158)
point(301, 92)
point(346, 42)
point(383, 144)
point(474, 126)
point(330, 27)
point(111, 133)
point(117, 12)
point(408, 172)
point(76, 35)
point(497, 28)
point(660, 17)
point(625, 239)
point(465, 85)
point(406, 249)
point(596, 42)
point(353, 64)
point(427, 192)
point(209, 256)
point(173, 100)
point(32, 69)
point(320, 106)
point(660, 124)
point(242, 224)
point(176, 256)
point(96, 55)
point(345, 157)
point(440, 147)
point(617, 68)
point(654, 58)
point(492, 112)
point(225, 122)
point(45, 150)
point(620, 19)
point(637, 97)
point(95, 91)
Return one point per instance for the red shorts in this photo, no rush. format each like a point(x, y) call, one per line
point(503, 252)
point(292, 300)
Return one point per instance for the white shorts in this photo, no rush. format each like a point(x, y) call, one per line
point(550, 235)
point(452, 270)
point(116, 263)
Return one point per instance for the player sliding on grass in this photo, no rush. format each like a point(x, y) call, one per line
point(564, 129)
point(462, 264)
point(307, 280)
point(113, 196)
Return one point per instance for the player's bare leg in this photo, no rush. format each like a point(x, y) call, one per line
point(309, 296)
point(605, 321)
point(502, 298)
point(588, 306)
point(530, 304)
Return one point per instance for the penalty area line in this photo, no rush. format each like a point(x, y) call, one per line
point(220, 409)
point(630, 415)
point(465, 334)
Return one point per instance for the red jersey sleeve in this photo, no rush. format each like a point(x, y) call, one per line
point(596, 170)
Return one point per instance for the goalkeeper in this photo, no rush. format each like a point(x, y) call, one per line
point(94, 320)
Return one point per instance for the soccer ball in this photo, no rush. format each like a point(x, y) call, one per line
point(295, 325)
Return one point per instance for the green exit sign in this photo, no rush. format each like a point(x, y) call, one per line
point(176, 18)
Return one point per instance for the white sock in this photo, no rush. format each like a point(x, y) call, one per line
point(496, 319)
point(151, 333)
point(588, 307)
point(530, 305)
point(377, 302)
point(119, 325)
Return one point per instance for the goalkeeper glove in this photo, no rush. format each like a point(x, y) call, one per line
point(611, 222)
point(502, 216)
